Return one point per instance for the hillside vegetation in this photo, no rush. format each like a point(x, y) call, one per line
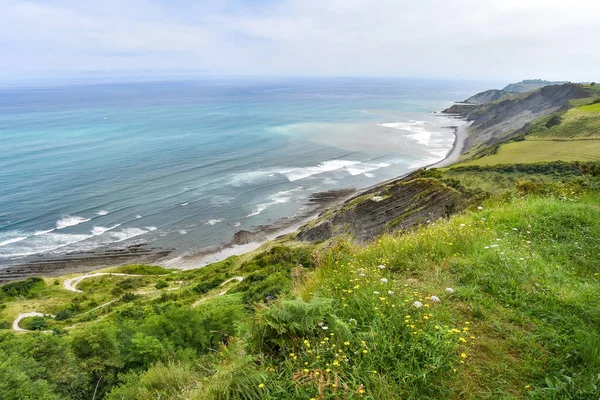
point(501, 301)
point(481, 280)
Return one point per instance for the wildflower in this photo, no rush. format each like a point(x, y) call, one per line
point(361, 274)
point(390, 292)
point(417, 304)
point(346, 343)
point(361, 391)
point(462, 225)
point(328, 370)
point(384, 280)
point(333, 385)
point(381, 266)
point(262, 385)
point(435, 299)
point(306, 371)
point(325, 328)
point(480, 208)
point(365, 351)
point(449, 290)
point(374, 371)
point(463, 355)
point(376, 292)
point(292, 354)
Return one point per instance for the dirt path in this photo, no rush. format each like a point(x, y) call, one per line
point(71, 283)
point(21, 316)
point(235, 278)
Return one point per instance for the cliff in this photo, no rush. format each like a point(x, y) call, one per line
point(502, 119)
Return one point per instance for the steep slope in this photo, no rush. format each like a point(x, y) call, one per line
point(500, 120)
point(403, 203)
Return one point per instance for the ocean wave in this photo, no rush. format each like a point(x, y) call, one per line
point(13, 240)
point(129, 233)
point(69, 220)
point(364, 168)
point(213, 222)
point(53, 243)
point(99, 230)
point(47, 243)
point(102, 212)
point(417, 130)
point(296, 174)
point(37, 233)
point(277, 198)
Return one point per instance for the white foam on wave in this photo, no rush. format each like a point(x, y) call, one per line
point(46, 244)
point(69, 220)
point(37, 233)
point(138, 216)
point(369, 175)
point(416, 129)
point(277, 198)
point(364, 168)
point(184, 204)
point(102, 212)
point(296, 174)
point(213, 222)
point(12, 240)
point(128, 233)
point(99, 230)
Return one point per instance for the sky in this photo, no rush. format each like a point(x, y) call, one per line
point(460, 39)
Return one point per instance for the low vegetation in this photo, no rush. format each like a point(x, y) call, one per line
point(500, 301)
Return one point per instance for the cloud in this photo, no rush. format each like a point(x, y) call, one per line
point(494, 39)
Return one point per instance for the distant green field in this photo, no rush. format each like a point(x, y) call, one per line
point(594, 108)
point(532, 151)
point(577, 123)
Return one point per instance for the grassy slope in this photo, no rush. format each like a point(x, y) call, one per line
point(575, 138)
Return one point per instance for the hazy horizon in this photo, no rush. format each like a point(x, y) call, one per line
point(496, 40)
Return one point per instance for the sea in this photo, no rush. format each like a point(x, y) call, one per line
point(185, 163)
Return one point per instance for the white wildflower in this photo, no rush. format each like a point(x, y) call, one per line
point(463, 225)
point(384, 280)
point(417, 304)
point(515, 229)
point(480, 208)
point(321, 323)
point(449, 290)
point(381, 267)
point(325, 328)
point(435, 299)
point(375, 292)
point(361, 275)
point(390, 292)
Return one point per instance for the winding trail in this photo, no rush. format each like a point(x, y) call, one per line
point(21, 316)
point(235, 278)
point(71, 283)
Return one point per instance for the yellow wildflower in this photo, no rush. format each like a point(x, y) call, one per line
point(262, 385)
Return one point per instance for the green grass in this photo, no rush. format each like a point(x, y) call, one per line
point(595, 108)
point(327, 322)
point(535, 151)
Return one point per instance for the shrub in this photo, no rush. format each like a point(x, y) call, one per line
point(553, 121)
point(161, 284)
point(22, 288)
point(35, 324)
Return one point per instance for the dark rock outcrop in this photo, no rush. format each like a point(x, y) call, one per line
point(397, 205)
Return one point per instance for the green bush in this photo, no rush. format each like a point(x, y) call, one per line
point(161, 284)
point(25, 288)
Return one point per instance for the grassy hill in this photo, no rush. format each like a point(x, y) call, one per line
point(501, 301)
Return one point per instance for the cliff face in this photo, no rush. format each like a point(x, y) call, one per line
point(499, 120)
point(401, 204)
point(487, 97)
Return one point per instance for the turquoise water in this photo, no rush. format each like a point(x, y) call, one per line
point(186, 164)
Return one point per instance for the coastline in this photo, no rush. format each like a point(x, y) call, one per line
point(242, 242)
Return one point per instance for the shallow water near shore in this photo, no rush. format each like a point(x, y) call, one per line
point(183, 165)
